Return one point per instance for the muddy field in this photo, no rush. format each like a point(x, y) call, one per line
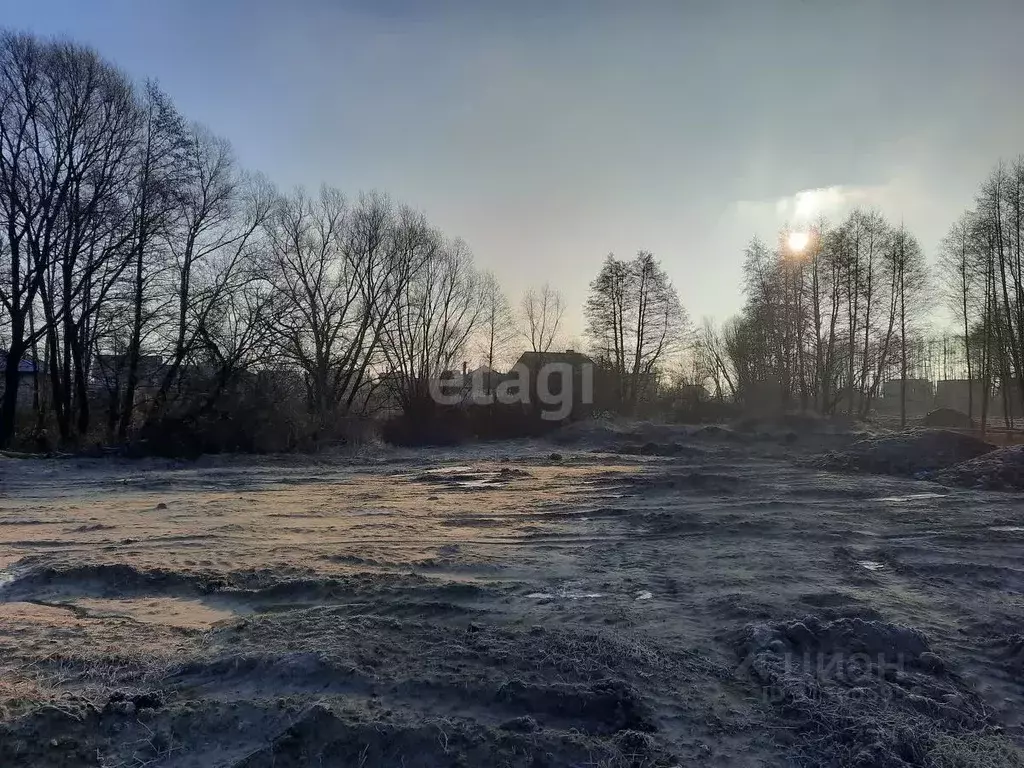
point(647, 597)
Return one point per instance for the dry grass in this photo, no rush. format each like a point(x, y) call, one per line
point(984, 750)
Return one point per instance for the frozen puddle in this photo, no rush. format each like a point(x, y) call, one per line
point(491, 479)
point(871, 565)
point(568, 594)
point(565, 595)
point(911, 497)
point(1007, 528)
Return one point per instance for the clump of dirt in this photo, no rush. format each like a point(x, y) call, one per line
point(948, 418)
point(866, 693)
point(469, 478)
point(913, 453)
point(1001, 469)
point(716, 432)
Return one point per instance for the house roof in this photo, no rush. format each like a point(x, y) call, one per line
point(532, 359)
point(24, 366)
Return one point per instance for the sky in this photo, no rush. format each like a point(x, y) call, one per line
point(549, 134)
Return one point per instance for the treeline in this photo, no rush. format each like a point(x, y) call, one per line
point(152, 290)
point(981, 269)
point(835, 312)
point(830, 314)
point(152, 282)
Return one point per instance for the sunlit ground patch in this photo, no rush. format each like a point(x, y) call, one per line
point(165, 611)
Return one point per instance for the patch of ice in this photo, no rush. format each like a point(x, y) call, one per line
point(1007, 528)
point(567, 595)
point(911, 497)
point(644, 595)
point(871, 565)
point(484, 482)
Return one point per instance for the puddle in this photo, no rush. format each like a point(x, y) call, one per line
point(911, 497)
point(483, 482)
point(565, 595)
point(645, 595)
point(871, 565)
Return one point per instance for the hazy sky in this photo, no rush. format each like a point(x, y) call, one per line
point(549, 133)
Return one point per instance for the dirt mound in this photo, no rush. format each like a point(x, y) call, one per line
point(609, 433)
point(801, 422)
point(860, 693)
point(912, 453)
point(651, 448)
point(948, 418)
point(106, 580)
point(321, 736)
point(716, 432)
point(1001, 469)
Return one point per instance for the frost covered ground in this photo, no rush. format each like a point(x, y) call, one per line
point(622, 595)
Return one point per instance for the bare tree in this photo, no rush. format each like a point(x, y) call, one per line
point(161, 172)
point(438, 311)
point(497, 323)
point(906, 265)
point(30, 194)
point(962, 276)
point(334, 271)
point(68, 125)
point(712, 361)
point(220, 216)
point(542, 312)
point(635, 320)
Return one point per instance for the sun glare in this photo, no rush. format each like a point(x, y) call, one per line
point(798, 241)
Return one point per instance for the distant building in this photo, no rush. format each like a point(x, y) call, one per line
point(920, 397)
point(27, 375)
point(546, 371)
point(959, 394)
point(109, 373)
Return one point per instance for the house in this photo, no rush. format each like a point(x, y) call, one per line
point(557, 383)
point(964, 395)
point(920, 397)
point(27, 376)
point(109, 373)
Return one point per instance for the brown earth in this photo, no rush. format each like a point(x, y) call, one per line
point(654, 596)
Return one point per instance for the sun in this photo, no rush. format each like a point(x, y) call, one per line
point(798, 241)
